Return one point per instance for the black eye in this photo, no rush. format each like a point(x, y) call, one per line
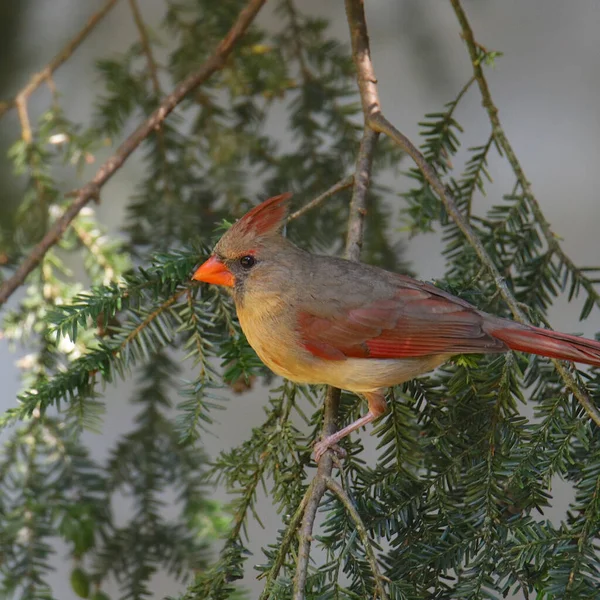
point(247, 261)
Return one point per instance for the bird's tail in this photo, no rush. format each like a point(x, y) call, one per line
point(545, 342)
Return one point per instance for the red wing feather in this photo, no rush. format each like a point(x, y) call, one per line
point(415, 322)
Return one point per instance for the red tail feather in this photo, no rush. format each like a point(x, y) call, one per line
point(550, 343)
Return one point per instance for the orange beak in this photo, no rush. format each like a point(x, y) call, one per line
point(214, 271)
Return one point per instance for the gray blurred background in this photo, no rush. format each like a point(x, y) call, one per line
point(547, 87)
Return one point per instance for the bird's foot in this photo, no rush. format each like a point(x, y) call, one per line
point(327, 444)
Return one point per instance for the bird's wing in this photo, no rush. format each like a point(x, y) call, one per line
point(415, 319)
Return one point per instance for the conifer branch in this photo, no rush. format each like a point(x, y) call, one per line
point(475, 53)
point(577, 389)
point(498, 131)
point(80, 377)
point(338, 490)
point(381, 124)
point(92, 189)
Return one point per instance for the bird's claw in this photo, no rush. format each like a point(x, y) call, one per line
point(323, 445)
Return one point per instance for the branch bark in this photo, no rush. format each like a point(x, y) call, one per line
point(319, 486)
point(358, 209)
point(92, 189)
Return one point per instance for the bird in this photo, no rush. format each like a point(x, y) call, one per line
point(326, 320)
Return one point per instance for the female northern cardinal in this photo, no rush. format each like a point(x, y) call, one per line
point(326, 320)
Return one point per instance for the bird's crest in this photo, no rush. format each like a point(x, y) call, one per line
point(266, 218)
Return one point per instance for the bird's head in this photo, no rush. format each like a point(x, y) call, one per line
point(248, 250)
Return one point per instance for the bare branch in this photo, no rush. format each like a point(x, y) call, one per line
point(91, 190)
point(361, 54)
point(358, 205)
point(324, 469)
point(46, 73)
point(334, 189)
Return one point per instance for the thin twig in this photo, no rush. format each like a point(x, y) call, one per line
point(362, 177)
point(343, 497)
point(37, 79)
point(285, 543)
point(21, 104)
point(147, 48)
point(334, 189)
point(91, 190)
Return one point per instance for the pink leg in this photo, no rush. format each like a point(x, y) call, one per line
point(377, 406)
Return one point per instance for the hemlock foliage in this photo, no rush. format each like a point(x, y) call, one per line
point(454, 503)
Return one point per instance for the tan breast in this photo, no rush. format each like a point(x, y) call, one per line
point(272, 336)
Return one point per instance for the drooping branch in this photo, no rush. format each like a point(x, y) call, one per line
point(92, 189)
point(475, 49)
point(379, 123)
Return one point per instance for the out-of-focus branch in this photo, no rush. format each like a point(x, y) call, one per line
point(334, 189)
point(20, 100)
point(358, 210)
point(92, 189)
point(153, 72)
point(147, 48)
